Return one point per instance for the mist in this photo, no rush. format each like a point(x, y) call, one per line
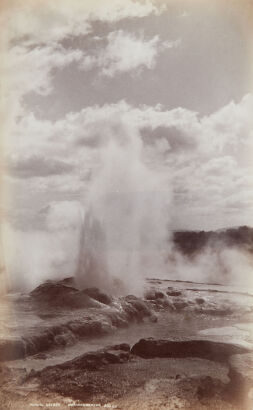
point(118, 234)
point(30, 257)
point(218, 264)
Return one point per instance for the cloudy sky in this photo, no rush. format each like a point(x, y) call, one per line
point(175, 74)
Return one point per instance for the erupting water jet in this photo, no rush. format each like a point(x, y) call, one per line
point(125, 235)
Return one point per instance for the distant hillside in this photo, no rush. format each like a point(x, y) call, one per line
point(191, 242)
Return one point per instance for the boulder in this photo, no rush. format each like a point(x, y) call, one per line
point(200, 301)
point(174, 293)
point(142, 308)
point(154, 295)
point(202, 348)
point(180, 304)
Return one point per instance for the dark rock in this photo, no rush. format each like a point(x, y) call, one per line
point(200, 301)
point(61, 295)
point(204, 349)
point(121, 346)
point(98, 295)
point(141, 306)
point(174, 293)
point(71, 378)
point(52, 289)
point(153, 295)
point(180, 304)
point(111, 354)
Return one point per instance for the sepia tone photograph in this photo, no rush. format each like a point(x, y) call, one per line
point(126, 211)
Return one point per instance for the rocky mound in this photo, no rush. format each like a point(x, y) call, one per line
point(86, 376)
point(63, 295)
point(75, 373)
point(203, 349)
point(93, 319)
point(176, 300)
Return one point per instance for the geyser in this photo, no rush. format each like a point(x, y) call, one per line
point(120, 234)
point(125, 235)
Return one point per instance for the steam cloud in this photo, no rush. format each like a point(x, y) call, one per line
point(125, 235)
point(118, 236)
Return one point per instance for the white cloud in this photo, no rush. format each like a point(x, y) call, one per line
point(193, 153)
point(232, 124)
point(32, 32)
point(208, 159)
point(26, 70)
point(30, 166)
point(127, 52)
point(115, 10)
point(182, 128)
point(36, 22)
